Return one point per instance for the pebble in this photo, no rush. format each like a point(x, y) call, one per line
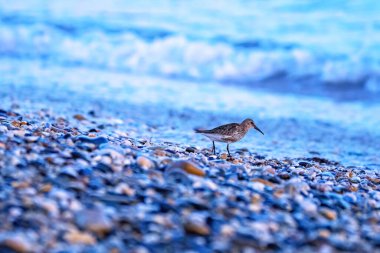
point(191, 149)
point(50, 207)
point(31, 139)
point(284, 176)
point(123, 188)
point(3, 129)
point(309, 207)
point(160, 152)
point(95, 140)
point(79, 117)
point(3, 114)
point(46, 188)
point(227, 230)
point(18, 124)
point(127, 143)
point(263, 181)
point(177, 176)
point(304, 164)
point(145, 163)
point(69, 172)
point(355, 180)
point(224, 156)
point(76, 237)
point(196, 228)
point(94, 220)
point(16, 243)
point(328, 213)
point(188, 167)
point(327, 175)
point(103, 167)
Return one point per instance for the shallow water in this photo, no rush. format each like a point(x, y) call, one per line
point(307, 73)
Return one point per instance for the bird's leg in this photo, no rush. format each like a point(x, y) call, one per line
point(228, 150)
point(213, 147)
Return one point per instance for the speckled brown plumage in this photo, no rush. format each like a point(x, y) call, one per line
point(229, 133)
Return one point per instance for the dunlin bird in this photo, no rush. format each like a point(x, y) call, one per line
point(229, 133)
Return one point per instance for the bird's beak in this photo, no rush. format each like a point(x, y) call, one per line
point(258, 129)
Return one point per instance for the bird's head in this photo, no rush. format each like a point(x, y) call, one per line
point(249, 123)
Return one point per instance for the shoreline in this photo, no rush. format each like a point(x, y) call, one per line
point(80, 182)
point(348, 136)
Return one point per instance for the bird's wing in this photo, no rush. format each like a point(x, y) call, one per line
point(229, 129)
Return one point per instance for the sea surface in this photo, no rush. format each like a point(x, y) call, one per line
point(308, 72)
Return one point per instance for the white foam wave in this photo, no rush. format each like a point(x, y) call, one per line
point(180, 57)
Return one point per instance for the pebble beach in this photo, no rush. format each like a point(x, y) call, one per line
point(84, 182)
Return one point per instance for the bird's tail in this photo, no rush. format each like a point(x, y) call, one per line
point(200, 131)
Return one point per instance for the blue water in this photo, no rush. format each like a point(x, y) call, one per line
point(307, 65)
point(330, 43)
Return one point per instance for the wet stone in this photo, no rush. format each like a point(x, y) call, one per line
point(284, 176)
point(304, 164)
point(224, 156)
point(355, 180)
point(68, 172)
point(67, 136)
point(160, 152)
point(197, 227)
point(45, 188)
point(32, 138)
point(76, 237)
point(309, 207)
point(188, 167)
point(94, 220)
point(127, 143)
point(3, 114)
point(177, 176)
point(103, 168)
point(95, 183)
point(93, 140)
point(78, 154)
point(145, 163)
point(18, 124)
point(3, 129)
point(111, 150)
point(327, 175)
point(79, 117)
point(191, 149)
point(328, 213)
point(321, 160)
point(15, 243)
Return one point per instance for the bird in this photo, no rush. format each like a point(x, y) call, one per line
point(229, 133)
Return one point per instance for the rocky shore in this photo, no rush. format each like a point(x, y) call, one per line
point(79, 184)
